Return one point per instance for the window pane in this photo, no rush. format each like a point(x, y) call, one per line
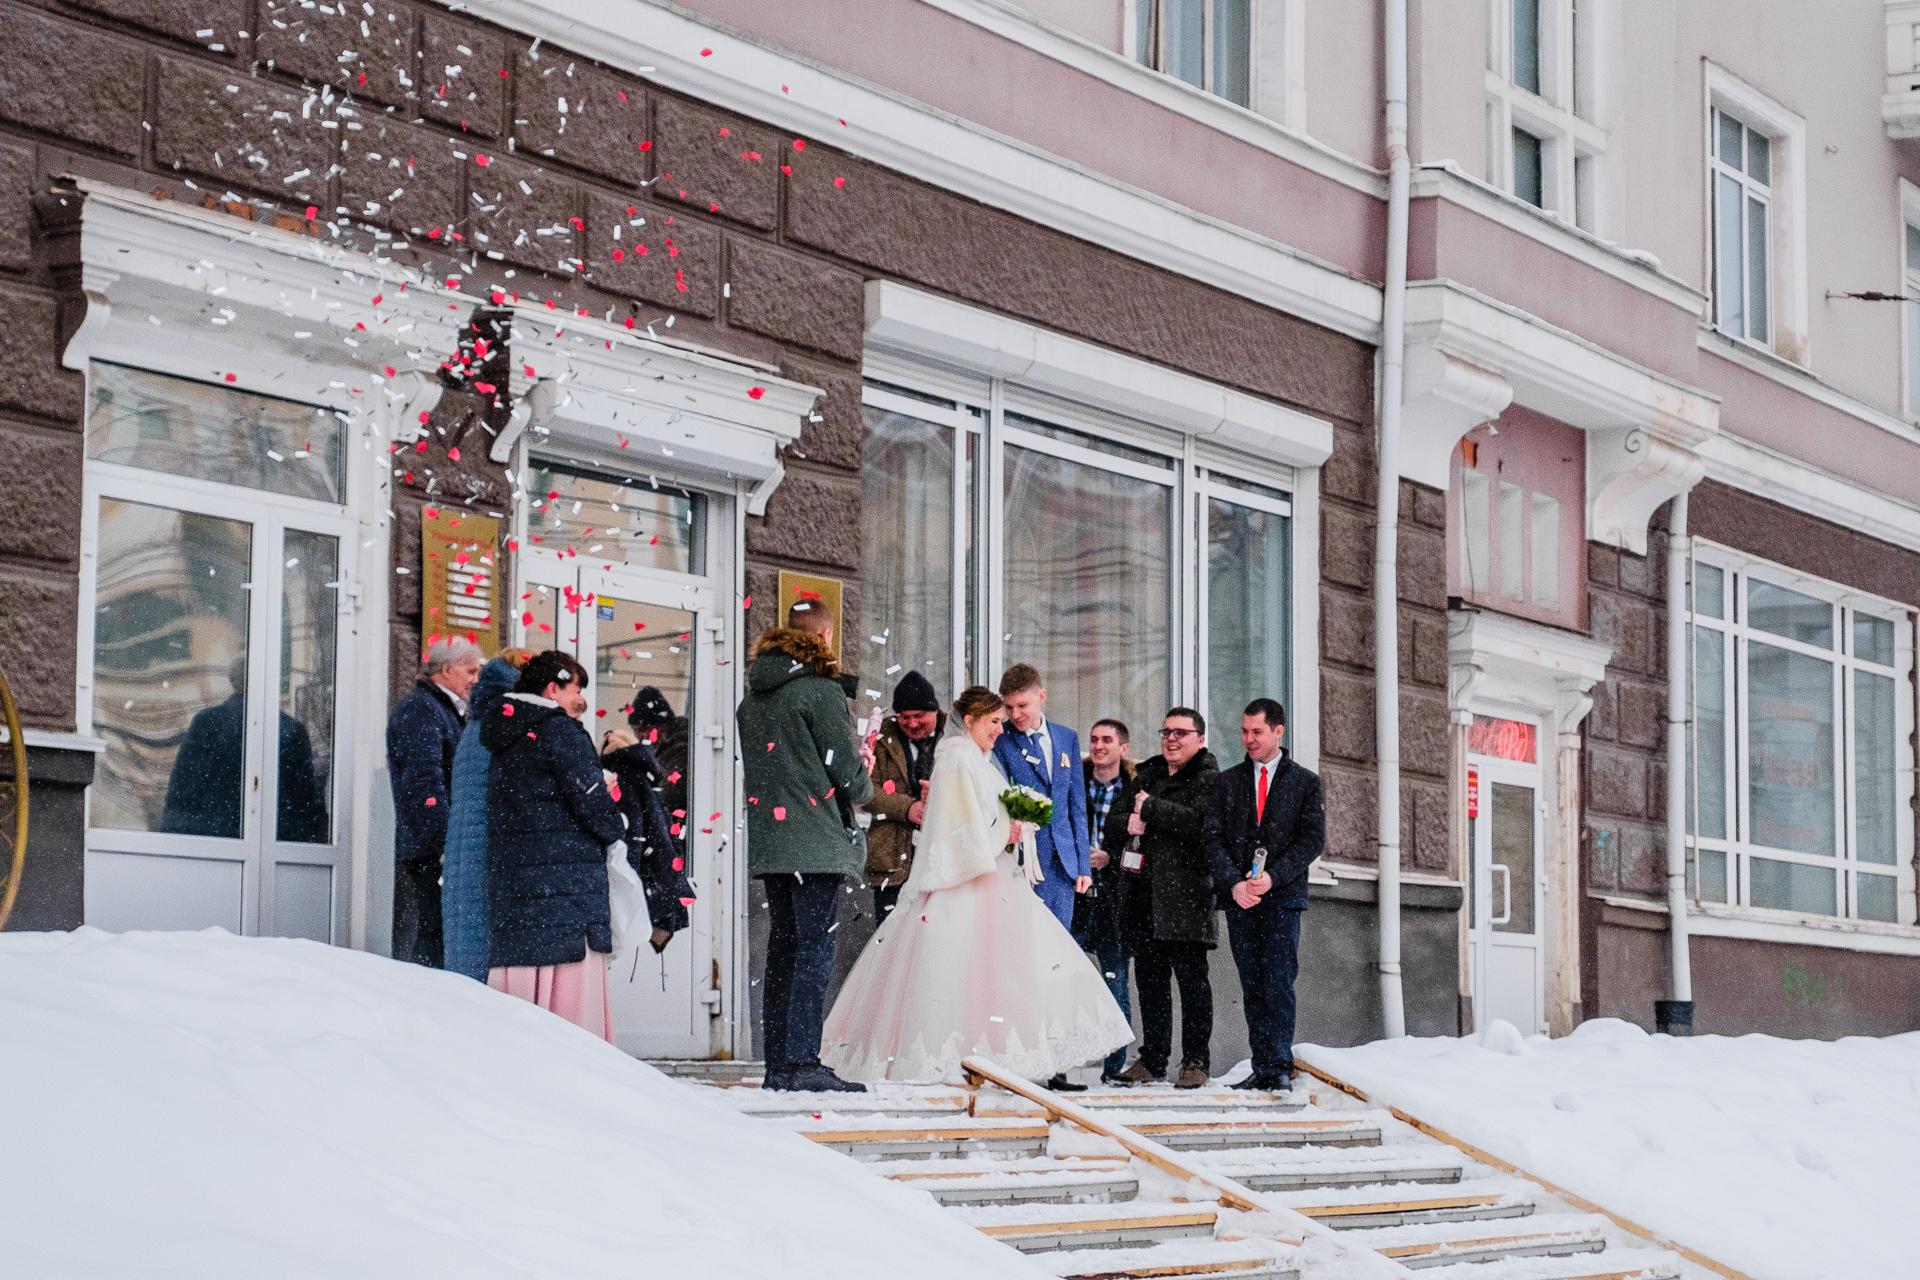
point(1232, 42)
point(1713, 876)
point(1727, 139)
point(1873, 639)
point(1089, 572)
point(607, 520)
point(1710, 733)
point(309, 621)
point(1760, 157)
point(1729, 274)
point(170, 670)
point(1875, 810)
point(1476, 521)
point(1544, 554)
point(1709, 591)
point(1526, 44)
point(1791, 886)
point(1249, 617)
point(1913, 248)
point(1527, 173)
point(215, 433)
point(1875, 897)
point(1143, 33)
point(1184, 34)
point(1790, 740)
point(637, 646)
point(1085, 440)
point(1788, 613)
point(1513, 849)
point(1758, 255)
point(906, 554)
point(1911, 314)
point(1513, 537)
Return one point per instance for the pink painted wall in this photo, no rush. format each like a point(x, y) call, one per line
point(1095, 20)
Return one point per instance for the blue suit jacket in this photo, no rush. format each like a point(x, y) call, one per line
point(1062, 844)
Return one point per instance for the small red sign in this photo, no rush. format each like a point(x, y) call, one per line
point(1504, 739)
point(1473, 792)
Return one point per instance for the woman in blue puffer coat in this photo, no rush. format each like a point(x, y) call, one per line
point(463, 878)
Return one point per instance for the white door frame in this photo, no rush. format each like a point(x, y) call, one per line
point(1482, 938)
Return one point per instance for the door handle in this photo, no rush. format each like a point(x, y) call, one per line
point(1506, 893)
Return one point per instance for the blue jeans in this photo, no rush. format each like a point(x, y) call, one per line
point(799, 966)
point(1266, 951)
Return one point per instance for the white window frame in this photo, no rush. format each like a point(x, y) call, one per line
point(1787, 210)
point(1564, 115)
point(1847, 603)
point(1276, 56)
point(987, 366)
point(1909, 321)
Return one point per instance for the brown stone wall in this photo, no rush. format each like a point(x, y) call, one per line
point(1624, 765)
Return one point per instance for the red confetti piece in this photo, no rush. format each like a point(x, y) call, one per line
point(453, 454)
point(679, 864)
point(706, 53)
point(754, 393)
point(799, 144)
point(779, 813)
point(388, 370)
point(887, 786)
point(646, 144)
point(746, 602)
point(506, 708)
point(313, 211)
point(483, 161)
point(432, 801)
point(839, 182)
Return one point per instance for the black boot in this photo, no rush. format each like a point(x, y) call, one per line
point(1060, 1084)
point(815, 1078)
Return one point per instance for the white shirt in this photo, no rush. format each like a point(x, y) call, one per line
point(1046, 748)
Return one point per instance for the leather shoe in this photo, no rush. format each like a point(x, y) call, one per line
point(1264, 1081)
point(1137, 1074)
point(776, 1078)
point(1192, 1076)
point(818, 1079)
point(1060, 1084)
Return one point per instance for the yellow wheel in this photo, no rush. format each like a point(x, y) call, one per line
point(13, 805)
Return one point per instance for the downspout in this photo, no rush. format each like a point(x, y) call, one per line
point(1386, 576)
point(1674, 1015)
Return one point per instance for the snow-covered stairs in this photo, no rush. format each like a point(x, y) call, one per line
point(1158, 1183)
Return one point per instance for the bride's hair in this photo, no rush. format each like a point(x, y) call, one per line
point(976, 701)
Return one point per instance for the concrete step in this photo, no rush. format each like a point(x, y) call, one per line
point(1151, 1098)
point(1038, 1228)
point(1404, 1204)
point(1061, 1184)
point(889, 1102)
point(1309, 1167)
point(1201, 1130)
point(1609, 1264)
point(884, 1137)
point(1442, 1243)
point(1190, 1259)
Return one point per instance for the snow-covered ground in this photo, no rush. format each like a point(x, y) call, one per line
point(1785, 1159)
point(199, 1105)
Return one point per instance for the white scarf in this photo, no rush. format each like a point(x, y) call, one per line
point(966, 826)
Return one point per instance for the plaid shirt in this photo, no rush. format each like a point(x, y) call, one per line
point(1100, 797)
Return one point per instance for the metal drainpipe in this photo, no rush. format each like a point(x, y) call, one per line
point(1675, 1014)
point(1386, 577)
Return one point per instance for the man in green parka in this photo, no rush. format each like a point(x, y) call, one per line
point(805, 774)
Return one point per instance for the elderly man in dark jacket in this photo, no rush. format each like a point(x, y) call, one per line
point(1167, 900)
point(551, 817)
point(902, 766)
point(804, 773)
point(1268, 810)
point(422, 734)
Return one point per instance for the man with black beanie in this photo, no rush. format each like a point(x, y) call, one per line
point(902, 765)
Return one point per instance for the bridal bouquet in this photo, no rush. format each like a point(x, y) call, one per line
point(1024, 804)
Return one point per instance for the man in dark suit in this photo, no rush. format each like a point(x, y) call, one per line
point(1270, 809)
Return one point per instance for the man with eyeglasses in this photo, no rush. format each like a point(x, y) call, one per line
point(1167, 899)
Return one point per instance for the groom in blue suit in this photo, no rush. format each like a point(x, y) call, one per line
point(1046, 757)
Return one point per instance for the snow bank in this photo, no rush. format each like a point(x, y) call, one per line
point(1785, 1159)
point(199, 1105)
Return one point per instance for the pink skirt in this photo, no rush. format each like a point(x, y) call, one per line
point(577, 991)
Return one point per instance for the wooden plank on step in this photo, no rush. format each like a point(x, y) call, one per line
point(928, 1133)
point(1070, 1225)
point(1398, 1206)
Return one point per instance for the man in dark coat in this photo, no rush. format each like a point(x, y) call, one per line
point(658, 855)
point(206, 789)
point(663, 733)
point(422, 734)
point(1167, 902)
point(551, 818)
point(902, 767)
point(1096, 914)
point(804, 773)
point(1266, 803)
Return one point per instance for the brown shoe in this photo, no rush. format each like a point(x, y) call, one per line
point(1137, 1074)
point(1192, 1076)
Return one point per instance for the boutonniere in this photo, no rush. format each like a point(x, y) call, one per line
point(1063, 759)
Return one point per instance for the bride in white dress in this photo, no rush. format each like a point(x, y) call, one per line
point(971, 962)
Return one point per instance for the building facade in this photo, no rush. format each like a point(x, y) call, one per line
point(1042, 332)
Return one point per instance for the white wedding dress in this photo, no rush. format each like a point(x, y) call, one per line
point(971, 962)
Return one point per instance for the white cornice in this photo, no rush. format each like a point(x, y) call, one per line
point(596, 387)
point(1544, 669)
point(930, 327)
point(663, 44)
point(1804, 487)
point(202, 293)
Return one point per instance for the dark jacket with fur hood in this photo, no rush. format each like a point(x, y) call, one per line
point(800, 760)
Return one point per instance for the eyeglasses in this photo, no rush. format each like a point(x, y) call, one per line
point(1178, 733)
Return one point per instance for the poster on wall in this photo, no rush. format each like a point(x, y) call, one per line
point(459, 577)
point(819, 592)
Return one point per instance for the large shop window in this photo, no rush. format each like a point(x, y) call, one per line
point(1799, 745)
point(1132, 575)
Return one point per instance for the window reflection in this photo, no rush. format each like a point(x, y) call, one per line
point(614, 520)
point(309, 616)
point(1249, 614)
point(906, 553)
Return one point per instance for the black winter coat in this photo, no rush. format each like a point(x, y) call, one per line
point(656, 855)
point(1179, 879)
point(422, 732)
point(1293, 830)
point(551, 819)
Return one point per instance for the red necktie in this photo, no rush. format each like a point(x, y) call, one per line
point(1260, 797)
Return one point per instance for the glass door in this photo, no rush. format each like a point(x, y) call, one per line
point(654, 639)
point(1504, 828)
